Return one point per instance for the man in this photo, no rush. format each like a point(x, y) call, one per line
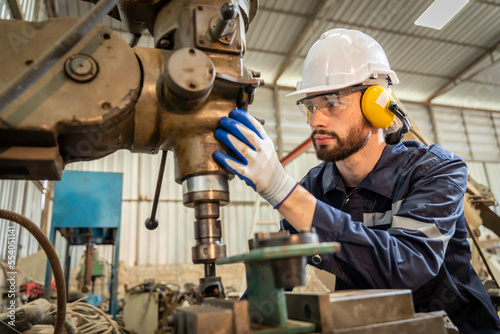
point(395, 207)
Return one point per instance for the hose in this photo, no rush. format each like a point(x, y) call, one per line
point(53, 260)
point(55, 53)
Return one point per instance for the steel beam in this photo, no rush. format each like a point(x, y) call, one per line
point(462, 76)
point(467, 137)
point(495, 132)
point(277, 117)
point(15, 9)
point(375, 28)
point(434, 124)
point(486, 2)
point(296, 152)
point(397, 70)
point(451, 106)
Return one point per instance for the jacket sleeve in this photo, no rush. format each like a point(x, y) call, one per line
point(411, 252)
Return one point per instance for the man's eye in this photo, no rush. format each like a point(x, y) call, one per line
point(311, 108)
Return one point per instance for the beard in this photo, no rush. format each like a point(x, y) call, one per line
point(355, 140)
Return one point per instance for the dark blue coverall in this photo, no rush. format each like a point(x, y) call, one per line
point(403, 227)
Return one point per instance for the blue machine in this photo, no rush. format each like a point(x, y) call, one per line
point(87, 210)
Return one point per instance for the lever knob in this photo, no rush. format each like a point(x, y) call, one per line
point(228, 12)
point(151, 224)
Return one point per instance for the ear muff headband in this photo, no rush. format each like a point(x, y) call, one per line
point(380, 108)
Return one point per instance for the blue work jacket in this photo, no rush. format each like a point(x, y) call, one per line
point(403, 227)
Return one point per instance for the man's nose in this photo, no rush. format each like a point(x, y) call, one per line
point(318, 119)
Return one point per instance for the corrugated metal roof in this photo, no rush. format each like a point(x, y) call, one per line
point(416, 87)
point(277, 39)
point(5, 12)
point(426, 59)
point(268, 65)
point(291, 75)
point(487, 71)
point(472, 95)
point(289, 6)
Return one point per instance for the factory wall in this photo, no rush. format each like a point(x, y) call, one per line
point(33, 10)
point(471, 135)
point(26, 198)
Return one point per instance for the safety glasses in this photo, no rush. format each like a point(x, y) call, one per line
point(329, 104)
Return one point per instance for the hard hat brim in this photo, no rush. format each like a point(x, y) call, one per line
point(330, 88)
point(316, 89)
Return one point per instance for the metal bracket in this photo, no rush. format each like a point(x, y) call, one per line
point(205, 16)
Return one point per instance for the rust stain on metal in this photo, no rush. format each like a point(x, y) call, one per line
point(123, 109)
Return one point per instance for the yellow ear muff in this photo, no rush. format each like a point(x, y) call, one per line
point(375, 106)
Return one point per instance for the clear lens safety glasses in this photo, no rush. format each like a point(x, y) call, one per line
point(328, 103)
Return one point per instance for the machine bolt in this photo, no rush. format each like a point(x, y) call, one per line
point(81, 68)
point(164, 43)
point(316, 259)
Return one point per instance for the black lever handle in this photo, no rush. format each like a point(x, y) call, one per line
point(228, 12)
point(152, 222)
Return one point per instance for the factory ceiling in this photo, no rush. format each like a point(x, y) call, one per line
point(458, 65)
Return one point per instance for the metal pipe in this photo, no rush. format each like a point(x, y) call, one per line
point(87, 277)
point(135, 39)
point(152, 223)
point(277, 116)
point(209, 269)
point(296, 152)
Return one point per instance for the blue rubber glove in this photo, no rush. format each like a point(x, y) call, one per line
point(257, 162)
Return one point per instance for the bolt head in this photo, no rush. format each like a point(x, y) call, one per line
point(81, 68)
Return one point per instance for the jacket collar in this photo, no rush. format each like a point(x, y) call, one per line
point(380, 180)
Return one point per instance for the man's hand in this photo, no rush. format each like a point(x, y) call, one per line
point(257, 163)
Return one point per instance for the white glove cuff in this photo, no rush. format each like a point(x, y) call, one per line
point(283, 189)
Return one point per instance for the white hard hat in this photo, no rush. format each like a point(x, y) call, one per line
point(342, 58)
